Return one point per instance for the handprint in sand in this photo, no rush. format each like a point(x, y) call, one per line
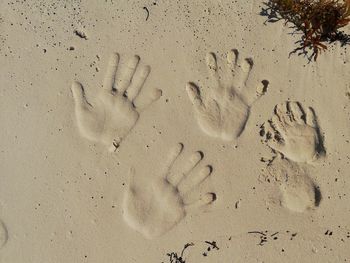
point(299, 193)
point(153, 212)
point(294, 133)
point(109, 118)
point(223, 112)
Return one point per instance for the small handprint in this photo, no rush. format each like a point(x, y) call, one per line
point(294, 133)
point(155, 212)
point(299, 192)
point(225, 111)
point(115, 111)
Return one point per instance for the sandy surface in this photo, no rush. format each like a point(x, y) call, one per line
point(68, 195)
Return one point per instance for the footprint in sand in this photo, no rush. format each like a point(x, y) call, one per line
point(154, 212)
point(3, 234)
point(294, 133)
point(224, 111)
point(298, 192)
point(115, 111)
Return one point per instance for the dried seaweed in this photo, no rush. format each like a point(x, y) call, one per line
point(175, 258)
point(318, 21)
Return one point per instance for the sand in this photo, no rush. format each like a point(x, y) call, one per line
point(221, 141)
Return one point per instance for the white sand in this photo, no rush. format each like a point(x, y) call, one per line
point(62, 194)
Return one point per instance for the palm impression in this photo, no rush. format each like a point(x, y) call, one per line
point(115, 111)
point(224, 111)
point(299, 193)
point(154, 212)
point(294, 132)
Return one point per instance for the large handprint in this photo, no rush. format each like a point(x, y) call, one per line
point(156, 211)
point(115, 111)
point(223, 113)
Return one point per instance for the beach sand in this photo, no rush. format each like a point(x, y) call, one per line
point(90, 175)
